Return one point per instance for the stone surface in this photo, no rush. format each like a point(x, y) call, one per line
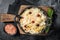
point(4, 4)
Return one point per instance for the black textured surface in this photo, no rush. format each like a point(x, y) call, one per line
point(53, 35)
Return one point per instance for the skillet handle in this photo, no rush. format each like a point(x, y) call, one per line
point(7, 18)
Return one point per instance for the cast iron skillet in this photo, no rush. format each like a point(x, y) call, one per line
point(45, 13)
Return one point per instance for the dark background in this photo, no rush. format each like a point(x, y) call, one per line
point(13, 7)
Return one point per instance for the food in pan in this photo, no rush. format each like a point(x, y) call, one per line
point(10, 29)
point(33, 20)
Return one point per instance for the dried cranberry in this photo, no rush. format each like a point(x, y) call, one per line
point(37, 24)
point(30, 12)
point(33, 21)
point(38, 15)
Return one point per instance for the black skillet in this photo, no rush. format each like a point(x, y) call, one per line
point(45, 13)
